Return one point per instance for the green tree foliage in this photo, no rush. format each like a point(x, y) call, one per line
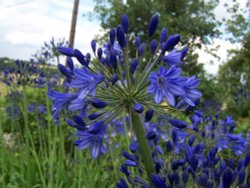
point(237, 25)
point(193, 20)
point(235, 78)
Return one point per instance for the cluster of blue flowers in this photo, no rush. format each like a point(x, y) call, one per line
point(24, 73)
point(112, 85)
point(49, 52)
point(113, 89)
point(204, 153)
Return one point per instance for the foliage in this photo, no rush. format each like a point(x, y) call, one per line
point(234, 76)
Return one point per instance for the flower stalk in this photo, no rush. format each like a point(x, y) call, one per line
point(145, 151)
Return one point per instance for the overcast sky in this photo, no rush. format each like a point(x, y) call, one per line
point(26, 24)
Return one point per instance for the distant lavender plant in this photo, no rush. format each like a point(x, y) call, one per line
point(114, 85)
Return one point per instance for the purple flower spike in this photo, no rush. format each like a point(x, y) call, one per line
point(153, 25)
point(125, 23)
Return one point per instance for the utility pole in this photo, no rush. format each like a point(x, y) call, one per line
point(73, 24)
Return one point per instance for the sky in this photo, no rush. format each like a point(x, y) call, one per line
point(26, 24)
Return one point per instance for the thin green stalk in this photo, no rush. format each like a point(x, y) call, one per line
point(145, 150)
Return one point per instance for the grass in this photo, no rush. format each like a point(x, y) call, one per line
point(35, 154)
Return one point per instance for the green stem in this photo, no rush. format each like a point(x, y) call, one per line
point(145, 151)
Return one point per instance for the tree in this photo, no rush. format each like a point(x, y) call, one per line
point(193, 20)
point(234, 75)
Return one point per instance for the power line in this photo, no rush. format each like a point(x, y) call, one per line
point(16, 4)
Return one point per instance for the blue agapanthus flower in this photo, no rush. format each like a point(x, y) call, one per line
point(111, 84)
point(92, 138)
point(166, 84)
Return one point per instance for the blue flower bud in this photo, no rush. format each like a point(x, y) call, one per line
point(112, 36)
point(93, 46)
point(133, 146)
point(67, 51)
point(191, 140)
point(151, 135)
point(137, 42)
point(184, 52)
point(113, 60)
point(80, 57)
point(174, 135)
point(227, 178)
point(247, 159)
point(96, 127)
point(138, 108)
point(178, 123)
point(141, 49)
point(122, 184)
point(70, 63)
point(114, 79)
point(185, 175)
point(241, 176)
point(158, 181)
point(130, 163)
point(241, 163)
point(176, 177)
point(170, 146)
point(63, 70)
point(153, 45)
point(203, 180)
point(79, 120)
point(212, 153)
point(125, 23)
point(99, 53)
point(133, 65)
point(149, 114)
point(152, 25)
point(128, 156)
point(94, 116)
point(171, 42)
point(99, 104)
point(120, 36)
point(163, 34)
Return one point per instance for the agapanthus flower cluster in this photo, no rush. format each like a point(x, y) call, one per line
point(49, 52)
point(111, 84)
point(24, 73)
point(204, 153)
